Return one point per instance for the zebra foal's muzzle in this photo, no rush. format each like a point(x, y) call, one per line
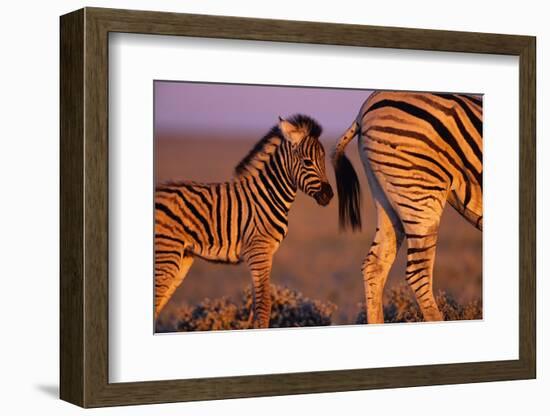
point(324, 195)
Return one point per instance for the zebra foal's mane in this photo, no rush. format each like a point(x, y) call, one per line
point(311, 127)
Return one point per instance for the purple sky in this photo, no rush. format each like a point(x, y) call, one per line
point(214, 109)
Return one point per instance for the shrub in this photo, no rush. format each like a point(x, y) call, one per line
point(401, 306)
point(290, 308)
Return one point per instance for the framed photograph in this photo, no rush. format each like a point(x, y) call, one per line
point(255, 207)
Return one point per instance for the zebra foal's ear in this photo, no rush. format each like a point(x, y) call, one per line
point(290, 132)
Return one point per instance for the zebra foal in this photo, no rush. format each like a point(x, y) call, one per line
point(244, 219)
point(419, 151)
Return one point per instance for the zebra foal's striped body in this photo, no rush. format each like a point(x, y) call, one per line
point(244, 219)
point(419, 150)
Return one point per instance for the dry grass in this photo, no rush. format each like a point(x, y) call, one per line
point(400, 306)
point(290, 308)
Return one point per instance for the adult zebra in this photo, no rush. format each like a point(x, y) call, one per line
point(244, 219)
point(419, 151)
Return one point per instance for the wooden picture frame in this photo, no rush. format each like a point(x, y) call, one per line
point(84, 207)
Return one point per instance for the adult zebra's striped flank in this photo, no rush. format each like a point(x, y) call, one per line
point(419, 151)
point(244, 219)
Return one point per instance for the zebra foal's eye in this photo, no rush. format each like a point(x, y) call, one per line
point(308, 163)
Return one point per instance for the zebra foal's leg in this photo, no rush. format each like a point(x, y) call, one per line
point(169, 273)
point(259, 263)
point(378, 262)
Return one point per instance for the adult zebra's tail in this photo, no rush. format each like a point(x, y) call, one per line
point(349, 190)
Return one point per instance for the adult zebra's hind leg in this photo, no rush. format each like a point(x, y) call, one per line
point(169, 273)
point(378, 262)
point(421, 241)
point(419, 207)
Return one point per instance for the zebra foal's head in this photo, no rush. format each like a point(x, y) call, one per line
point(309, 157)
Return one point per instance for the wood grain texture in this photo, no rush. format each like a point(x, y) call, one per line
point(71, 100)
point(527, 208)
point(84, 206)
point(96, 206)
point(226, 27)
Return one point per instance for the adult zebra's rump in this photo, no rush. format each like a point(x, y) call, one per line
point(419, 151)
point(244, 219)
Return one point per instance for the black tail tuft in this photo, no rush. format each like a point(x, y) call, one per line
point(349, 193)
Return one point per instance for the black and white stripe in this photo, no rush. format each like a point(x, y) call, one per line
point(241, 220)
point(419, 150)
